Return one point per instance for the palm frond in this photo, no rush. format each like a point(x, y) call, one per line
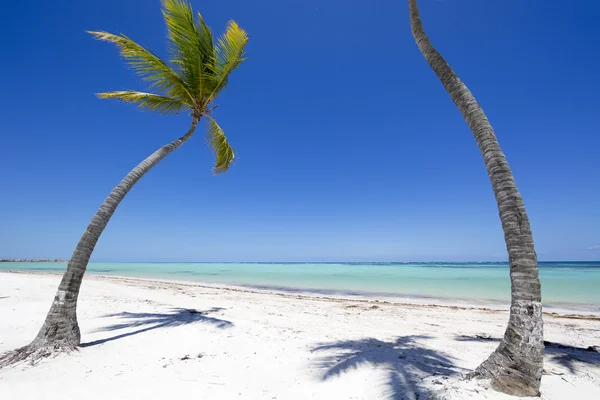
point(191, 44)
point(230, 54)
point(148, 101)
point(220, 146)
point(209, 70)
point(147, 64)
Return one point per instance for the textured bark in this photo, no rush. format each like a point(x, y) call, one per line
point(515, 367)
point(60, 331)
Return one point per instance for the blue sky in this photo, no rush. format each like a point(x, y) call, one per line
point(348, 146)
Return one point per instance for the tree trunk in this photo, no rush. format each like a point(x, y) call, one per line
point(515, 367)
point(60, 331)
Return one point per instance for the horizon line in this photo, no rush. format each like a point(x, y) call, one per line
point(38, 259)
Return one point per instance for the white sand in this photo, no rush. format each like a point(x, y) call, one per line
point(253, 344)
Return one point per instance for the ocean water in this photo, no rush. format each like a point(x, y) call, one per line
point(563, 283)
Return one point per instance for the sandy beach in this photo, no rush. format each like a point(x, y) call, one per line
point(156, 340)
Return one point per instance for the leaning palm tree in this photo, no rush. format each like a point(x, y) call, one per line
point(199, 69)
point(515, 367)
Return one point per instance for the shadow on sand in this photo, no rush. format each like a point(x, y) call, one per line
point(150, 321)
point(564, 355)
point(405, 361)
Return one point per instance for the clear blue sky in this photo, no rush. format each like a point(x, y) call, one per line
point(348, 146)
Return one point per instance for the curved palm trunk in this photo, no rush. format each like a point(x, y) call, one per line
point(516, 365)
point(60, 331)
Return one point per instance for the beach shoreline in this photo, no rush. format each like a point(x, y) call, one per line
point(154, 339)
point(573, 310)
point(567, 285)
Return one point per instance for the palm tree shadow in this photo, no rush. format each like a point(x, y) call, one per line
point(564, 355)
point(404, 359)
point(151, 321)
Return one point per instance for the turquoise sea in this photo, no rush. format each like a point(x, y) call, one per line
point(563, 283)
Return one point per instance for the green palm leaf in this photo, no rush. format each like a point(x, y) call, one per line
point(149, 101)
point(151, 67)
point(220, 146)
point(230, 54)
point(191, 45)
point(199, 70)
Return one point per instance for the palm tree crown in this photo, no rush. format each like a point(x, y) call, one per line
point(197, 71)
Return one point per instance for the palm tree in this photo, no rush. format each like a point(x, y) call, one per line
point(515, 367)
point(199, 69)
